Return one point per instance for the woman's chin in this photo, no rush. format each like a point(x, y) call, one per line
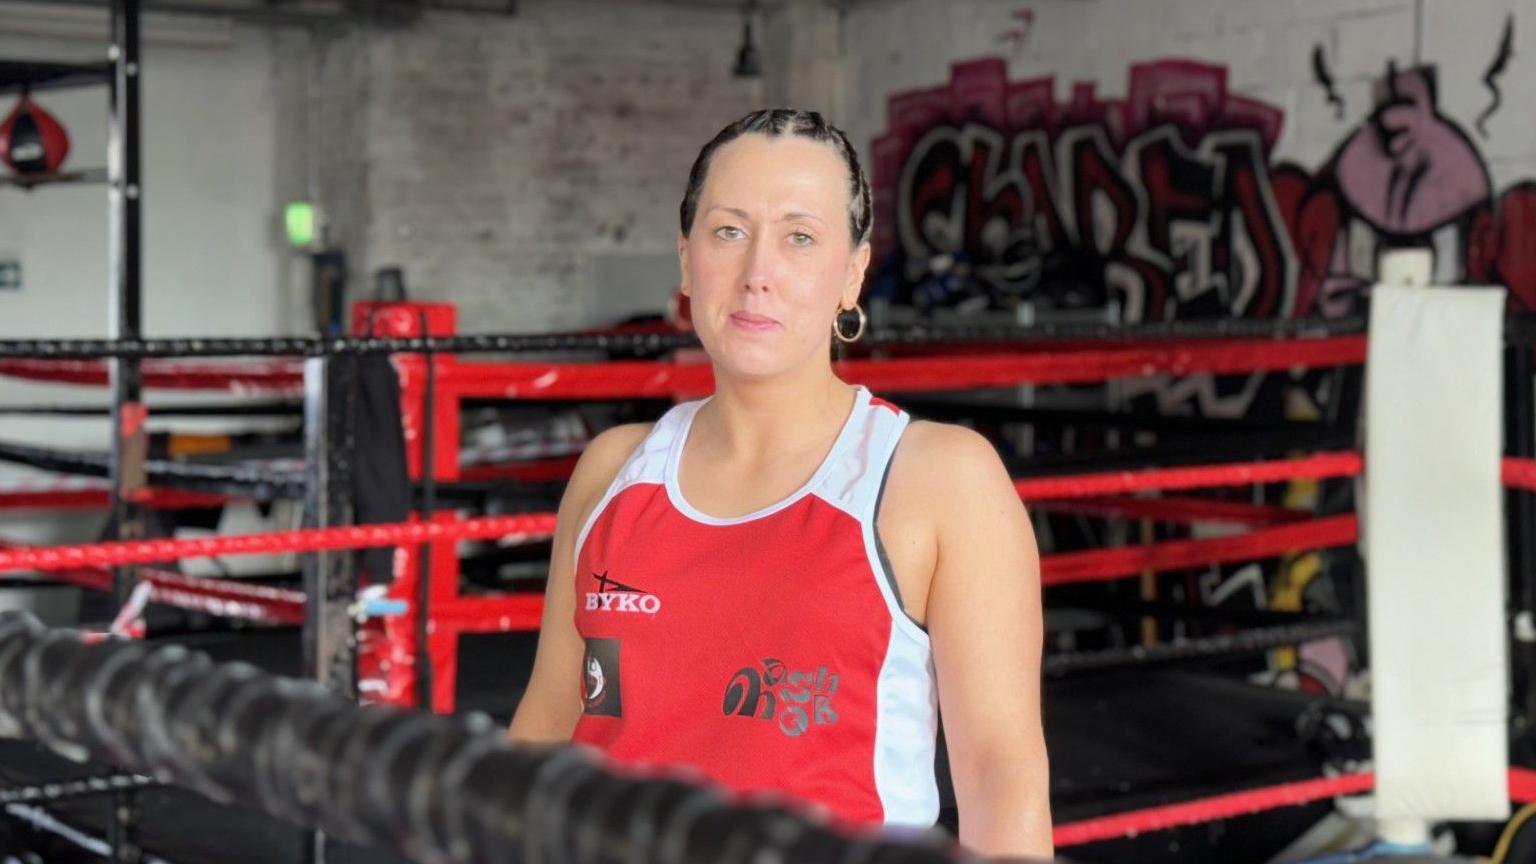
point(754, 359)
point(752, 365)
point(750, 371)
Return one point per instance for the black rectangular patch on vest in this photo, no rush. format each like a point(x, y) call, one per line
point(600, 691)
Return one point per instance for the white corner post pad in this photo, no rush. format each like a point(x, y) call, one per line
point(1433, 537)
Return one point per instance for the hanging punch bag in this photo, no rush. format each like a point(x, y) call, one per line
point(31, 141)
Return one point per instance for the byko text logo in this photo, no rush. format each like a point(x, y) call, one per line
point(615, 596)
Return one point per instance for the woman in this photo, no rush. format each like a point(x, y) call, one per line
point(779, 584)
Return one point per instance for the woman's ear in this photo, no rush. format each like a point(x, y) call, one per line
point(858, 265)
point(682, 264)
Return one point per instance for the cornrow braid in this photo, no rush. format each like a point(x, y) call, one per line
point(775, 122)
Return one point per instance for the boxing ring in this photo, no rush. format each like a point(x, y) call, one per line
point(434, 382)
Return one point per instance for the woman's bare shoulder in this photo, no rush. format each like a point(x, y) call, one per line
point(602, 458)
point(941, 470)
point(941, 475)
point(947, 456)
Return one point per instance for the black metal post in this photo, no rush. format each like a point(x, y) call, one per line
point(330, 578)
point(125, 260)
point(125, 248)
point(330, 581)
point(1520, 441)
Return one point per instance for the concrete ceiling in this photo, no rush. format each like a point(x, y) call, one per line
point(302, 12)
point(299, 10)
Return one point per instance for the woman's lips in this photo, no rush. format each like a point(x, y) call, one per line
point(756, 323)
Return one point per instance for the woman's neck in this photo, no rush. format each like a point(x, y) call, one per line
point(767, 420)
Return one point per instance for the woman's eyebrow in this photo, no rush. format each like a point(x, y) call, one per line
point(798, 215)
point(787, 217)
point(735, 211)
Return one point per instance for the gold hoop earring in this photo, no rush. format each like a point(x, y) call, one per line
point(837, 329)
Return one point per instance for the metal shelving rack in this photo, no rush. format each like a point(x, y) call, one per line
point(120, 74)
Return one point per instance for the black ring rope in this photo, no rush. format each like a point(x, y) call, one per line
point(60, 790)
point(441, 790)
point(1520, 330)
point(916, 335)
point(266, 483)
point(251, 481)
point(1237, 643)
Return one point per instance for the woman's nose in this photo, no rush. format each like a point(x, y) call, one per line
point(758, 273)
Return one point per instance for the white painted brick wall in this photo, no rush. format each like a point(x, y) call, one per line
point(516, 164)
point(213, 260)
point(803, 56)
point(501, 161)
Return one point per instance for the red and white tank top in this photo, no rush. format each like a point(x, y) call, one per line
point(768, 651)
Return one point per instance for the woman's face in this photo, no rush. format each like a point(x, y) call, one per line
point(770, 260)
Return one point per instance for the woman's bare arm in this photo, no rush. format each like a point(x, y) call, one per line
point(552, 703)
point(984, 618)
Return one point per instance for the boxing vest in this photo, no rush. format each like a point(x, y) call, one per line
point(768, 651)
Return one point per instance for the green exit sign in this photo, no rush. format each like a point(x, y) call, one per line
point(10, 274)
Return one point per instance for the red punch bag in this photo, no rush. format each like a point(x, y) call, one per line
point(31, 141)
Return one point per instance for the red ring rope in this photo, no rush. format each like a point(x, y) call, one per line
point(551, 470)
point(1093, 565)
point(1319, 465)
point(120, 552)
point(1522, 789)
point(1216, 807)
point(1075, 566)
point(81, 564)
point(261, 375)
point(1520, 473)
point(86, 498)
point(1517, 474)
point(224, 597)
point(1174, 508)
point(1098, 565)
point(227, 598)
point(1040, 364)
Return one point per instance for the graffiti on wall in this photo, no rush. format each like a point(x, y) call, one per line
point(1169, 202)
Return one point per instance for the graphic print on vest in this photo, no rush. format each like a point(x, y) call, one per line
point(600, 691)
point(796, 700)
point(614, 596)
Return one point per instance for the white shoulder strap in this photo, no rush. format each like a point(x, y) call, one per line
point(854, 481)
point(648, 464)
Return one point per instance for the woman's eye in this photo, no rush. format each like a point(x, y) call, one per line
point(800, 238)
point(728, 232)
